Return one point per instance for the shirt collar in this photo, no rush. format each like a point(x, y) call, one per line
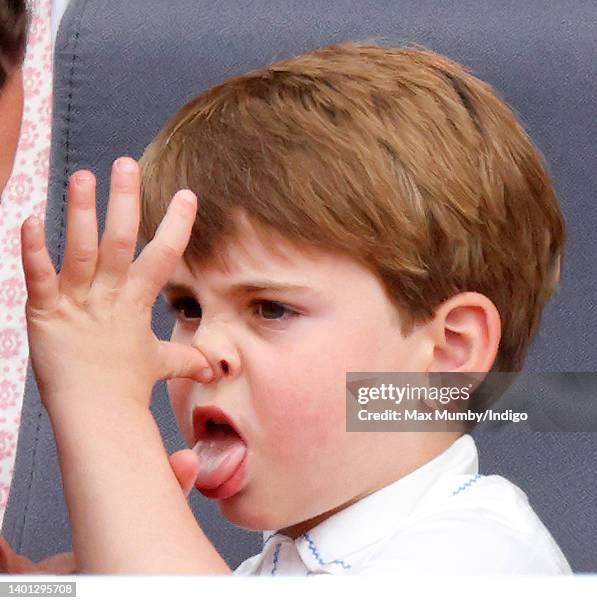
point(369, 519)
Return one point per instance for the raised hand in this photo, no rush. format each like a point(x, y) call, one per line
point(89, 327)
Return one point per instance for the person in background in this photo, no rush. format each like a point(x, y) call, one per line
point(14, 20)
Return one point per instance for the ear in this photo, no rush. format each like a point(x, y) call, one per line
point(466, 332)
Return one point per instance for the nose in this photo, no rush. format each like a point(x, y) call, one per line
point(214, 341)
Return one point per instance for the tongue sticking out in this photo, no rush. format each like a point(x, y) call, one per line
point(220, 452)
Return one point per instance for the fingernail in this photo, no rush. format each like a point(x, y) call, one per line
point(83, 178)
point(187, 195)
point(35, 224)
point(31, 237)
point(206, 374)
point(125, 165)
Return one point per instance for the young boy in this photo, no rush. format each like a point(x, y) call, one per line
point(360, 209)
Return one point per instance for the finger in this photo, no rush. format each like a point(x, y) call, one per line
point(159, 257)
point(180, 361)
point(62, 563)
point(185, 465)
point(117, 246)
point(40, 277)
point(78, 268)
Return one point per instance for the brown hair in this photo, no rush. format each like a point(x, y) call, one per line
point(14, 23)
point(398, 157)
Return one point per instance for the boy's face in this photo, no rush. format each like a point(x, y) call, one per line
point(285, 385)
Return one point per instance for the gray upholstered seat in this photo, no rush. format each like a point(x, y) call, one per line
point(121, 68)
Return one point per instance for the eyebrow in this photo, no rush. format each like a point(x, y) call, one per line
point(241, 287)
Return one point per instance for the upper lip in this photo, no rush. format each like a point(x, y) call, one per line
point(203, 414)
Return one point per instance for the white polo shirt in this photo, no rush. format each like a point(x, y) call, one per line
point(443, 518)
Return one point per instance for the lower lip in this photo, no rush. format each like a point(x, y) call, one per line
point(231, 486)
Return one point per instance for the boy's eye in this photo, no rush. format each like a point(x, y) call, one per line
point(275, 308)
point(187, 309)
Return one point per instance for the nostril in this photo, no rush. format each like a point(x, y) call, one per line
point(225, 367)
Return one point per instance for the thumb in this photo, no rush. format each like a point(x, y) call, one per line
point(185, 465)
point(178, 360)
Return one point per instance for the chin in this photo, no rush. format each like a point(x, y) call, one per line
point(240, 511)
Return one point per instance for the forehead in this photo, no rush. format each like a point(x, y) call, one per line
point(255, 252)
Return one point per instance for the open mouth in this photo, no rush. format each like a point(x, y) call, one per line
point(210, 421)
point(222, 453)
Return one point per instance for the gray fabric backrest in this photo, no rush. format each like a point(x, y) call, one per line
point(122, 68)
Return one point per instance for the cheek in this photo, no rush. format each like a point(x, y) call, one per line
point(178, 393)
point(11, 108)
point(300, 397)
point(301, 408)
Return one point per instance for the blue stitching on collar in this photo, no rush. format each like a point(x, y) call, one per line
point(313, 549)
point(345, 565)
point(269, 538)
point(275, 562)
point(467, 484)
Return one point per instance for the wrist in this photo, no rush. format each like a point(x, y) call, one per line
point(94, 398)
